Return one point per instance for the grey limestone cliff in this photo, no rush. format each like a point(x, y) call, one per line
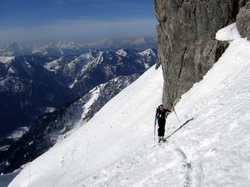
point(243, 21)
point(187, 48)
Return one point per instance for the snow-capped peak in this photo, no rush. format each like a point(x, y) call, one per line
point(121, 52)
point(5, 59)
point(147, 52)
point(66, 45)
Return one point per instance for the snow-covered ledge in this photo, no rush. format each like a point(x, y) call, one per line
point(228, 33)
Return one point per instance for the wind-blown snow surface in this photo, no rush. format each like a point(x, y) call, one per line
point(116, 147)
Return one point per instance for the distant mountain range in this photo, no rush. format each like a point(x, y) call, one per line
point(32, 85)
point(63, 48)
point(41, 88)
point(54, 126)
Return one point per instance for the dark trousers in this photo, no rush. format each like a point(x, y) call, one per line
point(161, 125)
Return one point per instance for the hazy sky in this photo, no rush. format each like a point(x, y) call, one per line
point(38, 21)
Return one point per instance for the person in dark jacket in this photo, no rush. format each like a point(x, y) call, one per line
point(160, 117)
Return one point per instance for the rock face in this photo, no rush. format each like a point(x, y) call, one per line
point(243, 21)
point(187, 48)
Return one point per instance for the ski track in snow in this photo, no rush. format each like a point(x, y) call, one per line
point(216, 155)
point(158, 162)
point(116, 148)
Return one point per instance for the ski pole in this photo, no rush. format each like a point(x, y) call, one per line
point(154, 132)
point(176, 115)
point(155, 125)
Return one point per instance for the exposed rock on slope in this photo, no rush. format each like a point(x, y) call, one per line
point(187, 48)
point(243, 21)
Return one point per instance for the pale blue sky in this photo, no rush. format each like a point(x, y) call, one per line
point(38, 21)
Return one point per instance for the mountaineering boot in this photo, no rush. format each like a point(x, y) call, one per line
point(159, 141)
point(161, 138)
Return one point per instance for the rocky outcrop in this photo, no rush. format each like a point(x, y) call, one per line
point(187, 48)
point(243, 21)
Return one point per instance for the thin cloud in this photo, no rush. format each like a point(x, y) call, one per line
point(71, 30)
point(78, 1)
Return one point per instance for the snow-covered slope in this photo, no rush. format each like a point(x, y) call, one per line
point(112, 133)
point(116, 147)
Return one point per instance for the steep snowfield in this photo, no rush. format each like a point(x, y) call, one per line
point(116, 147)
point(121, 126)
